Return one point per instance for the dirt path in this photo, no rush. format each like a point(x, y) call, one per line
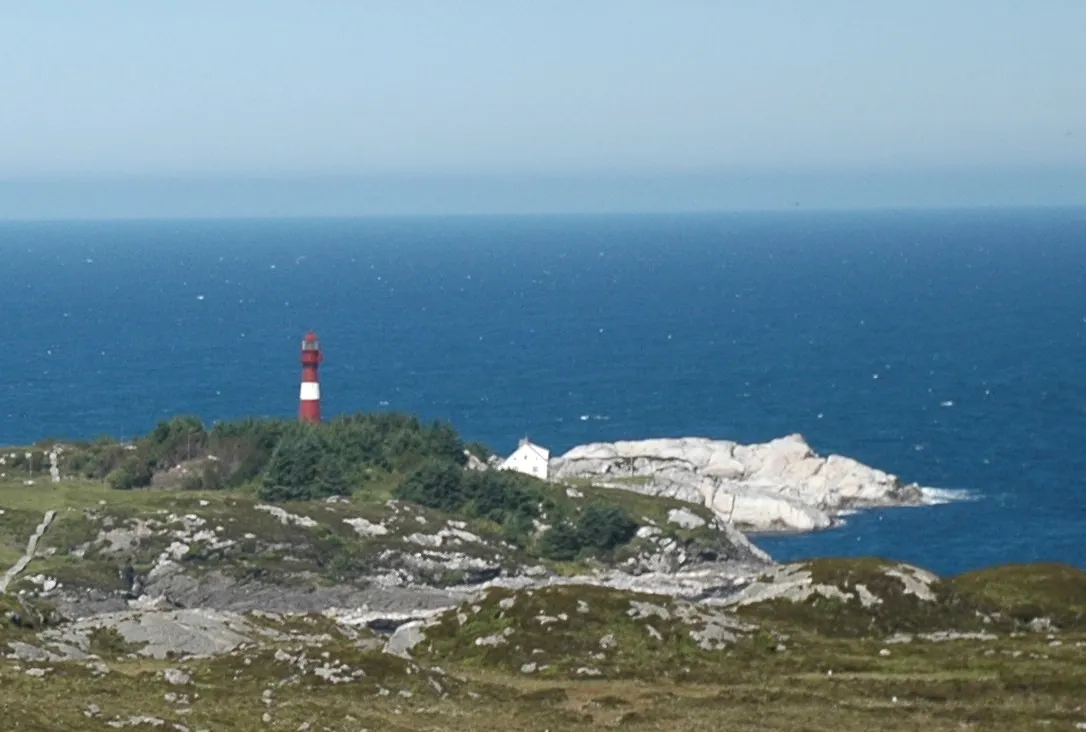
point(31, 548)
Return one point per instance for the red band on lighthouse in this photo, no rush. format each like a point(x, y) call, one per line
point(309, 404)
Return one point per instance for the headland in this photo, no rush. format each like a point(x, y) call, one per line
point(377, 572)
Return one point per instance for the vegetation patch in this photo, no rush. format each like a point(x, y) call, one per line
point(866, 597)
point(108, 643)
point(1026, 592)
point(872, 597)
point(369, 456)
point(581, 631)
point(21, 618)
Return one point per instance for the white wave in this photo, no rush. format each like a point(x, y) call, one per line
point(939, 496)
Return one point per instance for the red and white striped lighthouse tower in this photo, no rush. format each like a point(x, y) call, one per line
point(309, 405)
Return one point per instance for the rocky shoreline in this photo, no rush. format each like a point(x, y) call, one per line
point(225, 555)
point(778, 486)
point(217, 610)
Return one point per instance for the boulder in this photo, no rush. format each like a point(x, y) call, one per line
point(684, 518)
point(405, 637)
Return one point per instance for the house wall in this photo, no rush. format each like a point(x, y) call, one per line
point(526, 460)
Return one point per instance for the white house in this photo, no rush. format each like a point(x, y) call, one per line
point(529, 458)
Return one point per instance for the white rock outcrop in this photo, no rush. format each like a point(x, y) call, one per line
point(782, 485)
point(685, 518)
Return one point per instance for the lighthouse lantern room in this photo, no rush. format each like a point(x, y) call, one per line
point(309, 405)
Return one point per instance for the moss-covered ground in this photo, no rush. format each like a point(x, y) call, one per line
point(837, 685)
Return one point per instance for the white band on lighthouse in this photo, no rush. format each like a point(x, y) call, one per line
point(311, 391)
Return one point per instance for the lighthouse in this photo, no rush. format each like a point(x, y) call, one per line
point(309, 404)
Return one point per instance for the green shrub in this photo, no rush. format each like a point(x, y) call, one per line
point(479, 450)
point(600, 528)
point(303, 468)
point(604, 527)
point(94, 460)
point(560, 543)
point(435, 484)
point(134, 472)
point(506, 498)
point(353, 449)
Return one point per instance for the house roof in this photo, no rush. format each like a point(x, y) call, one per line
point(541, 451)
point(533, 448)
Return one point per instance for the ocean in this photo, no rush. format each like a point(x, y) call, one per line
point(947, 347)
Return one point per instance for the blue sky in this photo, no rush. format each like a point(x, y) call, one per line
point(123, 107)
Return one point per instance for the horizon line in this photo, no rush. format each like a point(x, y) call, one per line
point(783, 209)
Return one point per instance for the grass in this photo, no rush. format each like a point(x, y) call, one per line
point(930, 686)
point(1005, 598)
point(262, 545)
point(1027, 591)
point(836, 671)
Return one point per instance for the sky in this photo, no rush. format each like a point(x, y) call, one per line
point(314, 107)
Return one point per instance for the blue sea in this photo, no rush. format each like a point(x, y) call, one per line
point(947, 347)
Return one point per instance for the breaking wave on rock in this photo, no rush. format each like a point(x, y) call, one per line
point(940, 496)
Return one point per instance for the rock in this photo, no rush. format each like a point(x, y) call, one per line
point(28, 555)
point(951, 635)
point(917, 581)
point(474, 463)
point(447, 535)
point(98, 668)
point(685, 518)
point(714, 631)
point(176, 677)
point(137, 721)
point(778, 485)
point(365, 528)
point(26, 652)
point(286, 518)
point(791, 582)
point(405, 637)
point(1041, 625)
point(123, 540)
point(528, 668)
point(641, 610)
point(54, 467)
point(647, 532)
point(160, 634)
point(497, 639)
point(867, 598)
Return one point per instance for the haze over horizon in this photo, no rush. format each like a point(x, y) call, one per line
point(277, 108)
